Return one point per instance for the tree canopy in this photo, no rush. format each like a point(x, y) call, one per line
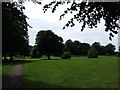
point(49, 43)
point(76, 48)
point(110, 49)
point(92, 53)
point(15, 27)
point(90, 14)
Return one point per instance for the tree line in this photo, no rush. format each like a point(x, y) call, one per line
point(15, 39)
point(48, 43)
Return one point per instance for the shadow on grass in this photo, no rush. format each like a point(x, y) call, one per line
point(51, 59)
point(31, 84)
point(16, 62)
point(40, 84)
point(16, 81)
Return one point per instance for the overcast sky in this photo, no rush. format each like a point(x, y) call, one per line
point(50, 21)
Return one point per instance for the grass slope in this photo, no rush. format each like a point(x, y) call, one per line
point(77, 72)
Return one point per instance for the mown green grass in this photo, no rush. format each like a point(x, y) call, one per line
point(77, 72)
point(6, 68)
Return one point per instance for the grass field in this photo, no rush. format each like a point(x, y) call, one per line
point(77, 72)
point(6, 68)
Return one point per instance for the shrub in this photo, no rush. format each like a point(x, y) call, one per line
point(108, 54)
point(92, 53)
point(66, 55)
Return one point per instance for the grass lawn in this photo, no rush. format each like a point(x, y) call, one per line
point(77, 72)
point(6, 68)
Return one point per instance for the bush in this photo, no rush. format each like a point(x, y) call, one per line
point(92, 53)
point(66, 55)
point(108, 54)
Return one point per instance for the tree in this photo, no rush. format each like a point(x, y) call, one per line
point(77, 49)
point(90, 14)
point(15, 27)
point(102, 51)
point(110, 49)
point(48, 43)
point(84, 48)
point(92, 53)
point(35, 52)
point(68, 47)
point(97, 46)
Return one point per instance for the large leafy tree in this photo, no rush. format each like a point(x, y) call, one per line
point(110, 49)
point(68, 47)
point(49, 43)
point(77, 47)
point(90, 14)
point(84, 48)
point(14, 30)
point(100, 49)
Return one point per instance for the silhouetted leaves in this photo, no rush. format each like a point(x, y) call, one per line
point(15, 27)
point(110, 38)
point(91, 13)
point(48, 43)
point(111, 35)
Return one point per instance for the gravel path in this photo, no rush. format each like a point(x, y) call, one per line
point(14, 78)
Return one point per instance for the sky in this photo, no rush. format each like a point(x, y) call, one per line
point(50, 21)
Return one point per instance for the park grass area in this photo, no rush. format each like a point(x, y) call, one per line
point(6, 68)
point(77, 72)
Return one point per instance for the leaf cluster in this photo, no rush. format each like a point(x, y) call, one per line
point(90, 14)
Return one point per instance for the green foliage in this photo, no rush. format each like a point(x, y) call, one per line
point(110, 48)
point(92, 53)
point(66, 55)
point(97, 46)
point(76, 48)
point(49, 43)
point(85, 48)
point(35, 53)
point(15, 27)
point(68, 47)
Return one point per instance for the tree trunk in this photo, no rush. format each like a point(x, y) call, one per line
point(48, 56)
point(11, 57)
point(5, 57)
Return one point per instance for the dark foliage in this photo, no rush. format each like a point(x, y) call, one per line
point(49, 43)
point(90, 13)
point(92, 53)
point(76, 48)
point(118, 55)
point(35, 53)
point(110, 48)
point(100, 49)
point(66, 55)
point(84, 48)
point(15, 27)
